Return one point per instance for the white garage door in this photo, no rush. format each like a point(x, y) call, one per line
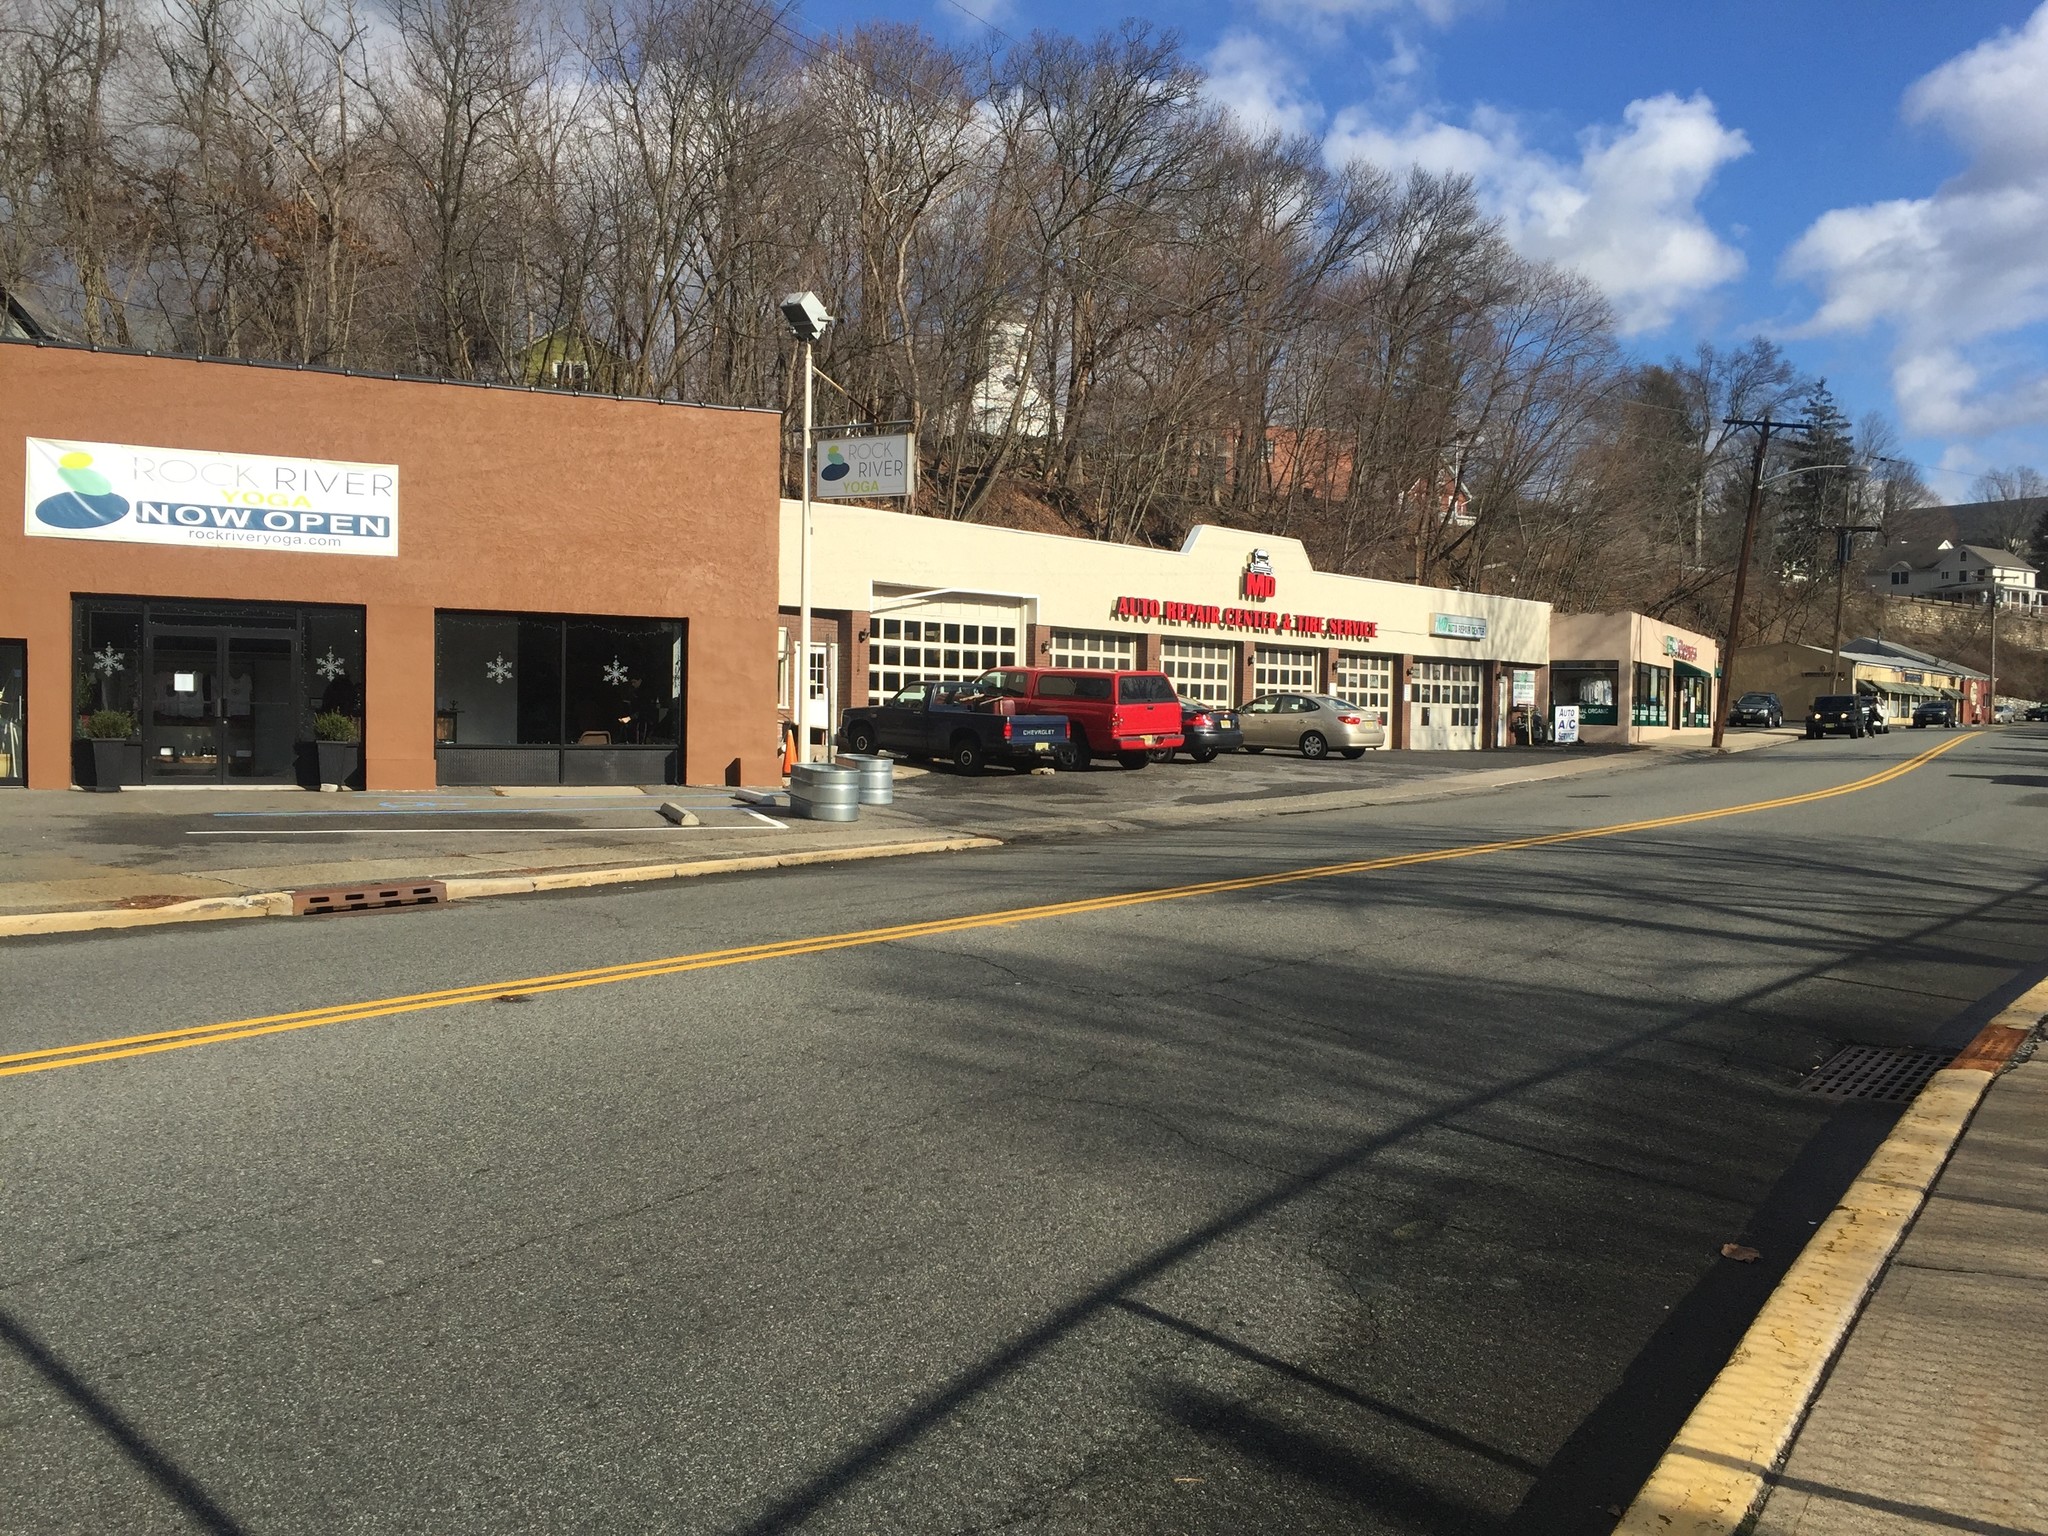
point(1278, 671)
point(1200, 671)
point(938, 643)
point(1367, 681)
point(1444, 716)
point(1088, 650)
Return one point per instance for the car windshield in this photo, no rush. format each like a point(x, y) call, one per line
point(1754, 700)
point(1834, 701)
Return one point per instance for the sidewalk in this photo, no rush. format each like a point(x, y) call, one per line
point(1931, 1421)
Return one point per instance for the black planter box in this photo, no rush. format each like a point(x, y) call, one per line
point(341, 762)
point(106, 763)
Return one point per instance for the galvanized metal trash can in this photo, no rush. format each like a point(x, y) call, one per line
point(823, 792)
point(877, 776)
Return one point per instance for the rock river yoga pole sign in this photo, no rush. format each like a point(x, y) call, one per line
point(120, 494)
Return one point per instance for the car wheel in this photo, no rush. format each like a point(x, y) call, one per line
point(1133, 759)
point(1067, 758)
point(860, 738)
point(1313, 745)
point(1160, 754)
point(1255, 751)
point(1202, 754)
point(967, 755)
point(1354, 753)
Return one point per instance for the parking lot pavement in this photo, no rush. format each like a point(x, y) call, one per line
point(1106, 796)
point(63, 851)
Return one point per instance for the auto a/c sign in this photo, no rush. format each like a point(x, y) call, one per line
point(120, 494)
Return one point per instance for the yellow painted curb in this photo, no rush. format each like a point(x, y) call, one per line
point(205, 909)
point(279, 903)
point(1715, 1475)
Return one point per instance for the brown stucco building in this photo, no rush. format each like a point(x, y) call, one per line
point(494, 585)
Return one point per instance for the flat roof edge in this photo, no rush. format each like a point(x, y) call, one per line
point(54, 344)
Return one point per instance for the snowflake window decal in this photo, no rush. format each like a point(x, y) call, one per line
point(108, 661)
point(329, 666)
point(615, 673)
point(499, 670)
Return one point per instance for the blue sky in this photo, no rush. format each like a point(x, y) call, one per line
point(1866, 181)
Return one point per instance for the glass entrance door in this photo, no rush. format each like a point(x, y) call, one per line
point(221, 706)
point(182, 743)
point(258, 712)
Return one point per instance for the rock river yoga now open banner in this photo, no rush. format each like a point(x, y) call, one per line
point(118, 493)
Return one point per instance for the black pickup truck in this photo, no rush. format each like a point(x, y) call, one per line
point(953, 721)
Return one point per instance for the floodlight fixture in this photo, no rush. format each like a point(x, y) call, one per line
point(807, 316)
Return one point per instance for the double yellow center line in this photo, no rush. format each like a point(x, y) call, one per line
point(563, 981)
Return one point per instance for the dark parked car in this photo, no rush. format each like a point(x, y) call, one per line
point(1875, 721)
point(1936, 712)
point(1757, 709)
point(1835, 712)
point(1205, 730)
point(956, 722)
point(2037, 712)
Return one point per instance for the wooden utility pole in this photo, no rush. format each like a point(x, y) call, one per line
point(1763, 429)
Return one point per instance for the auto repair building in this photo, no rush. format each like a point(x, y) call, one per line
point(899, 599)
point(493, 585)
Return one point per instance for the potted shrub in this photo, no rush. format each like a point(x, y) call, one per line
point(338, 739)
point(109, 731)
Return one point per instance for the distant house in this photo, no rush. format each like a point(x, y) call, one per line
point(1007, 386)
point(1957, 573)
point(17, 324)
point(567, 360)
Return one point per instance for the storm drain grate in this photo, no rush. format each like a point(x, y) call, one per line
point(369, 898)
point(1875, 1072)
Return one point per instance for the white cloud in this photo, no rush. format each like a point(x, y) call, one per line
point(1625, 214)
point(1260, 87)
point(1320, 13)
point(1961, 275)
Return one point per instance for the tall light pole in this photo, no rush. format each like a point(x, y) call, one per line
point(808, 318)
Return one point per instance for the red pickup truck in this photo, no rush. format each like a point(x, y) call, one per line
point(1127, 715)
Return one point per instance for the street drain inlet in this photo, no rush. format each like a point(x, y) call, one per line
point(1875, 1072)
point(369, 898)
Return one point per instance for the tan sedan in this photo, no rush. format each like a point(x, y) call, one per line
point(1313, 724)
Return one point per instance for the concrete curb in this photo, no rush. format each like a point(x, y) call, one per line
point(1716, 1475)
point(279, 903)
point(205, 909)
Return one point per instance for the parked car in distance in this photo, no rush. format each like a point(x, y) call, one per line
point(2002, 715)
point(1314, 724)
point(1875, 721)
point(1205, 729)
point(952, 721)
point(2037, 712)
point(1121, 714)
point(1757, 709)
point(1935, 712)
point(1835, 712)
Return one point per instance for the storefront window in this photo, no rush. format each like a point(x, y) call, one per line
point(509, 679)
point(331, 665)
point(106, 672)
point(1652, 702)
point(1589, 686)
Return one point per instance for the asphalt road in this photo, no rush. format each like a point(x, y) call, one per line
point(1388, 1200)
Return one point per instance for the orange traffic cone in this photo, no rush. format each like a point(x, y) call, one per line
point(788, 748)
